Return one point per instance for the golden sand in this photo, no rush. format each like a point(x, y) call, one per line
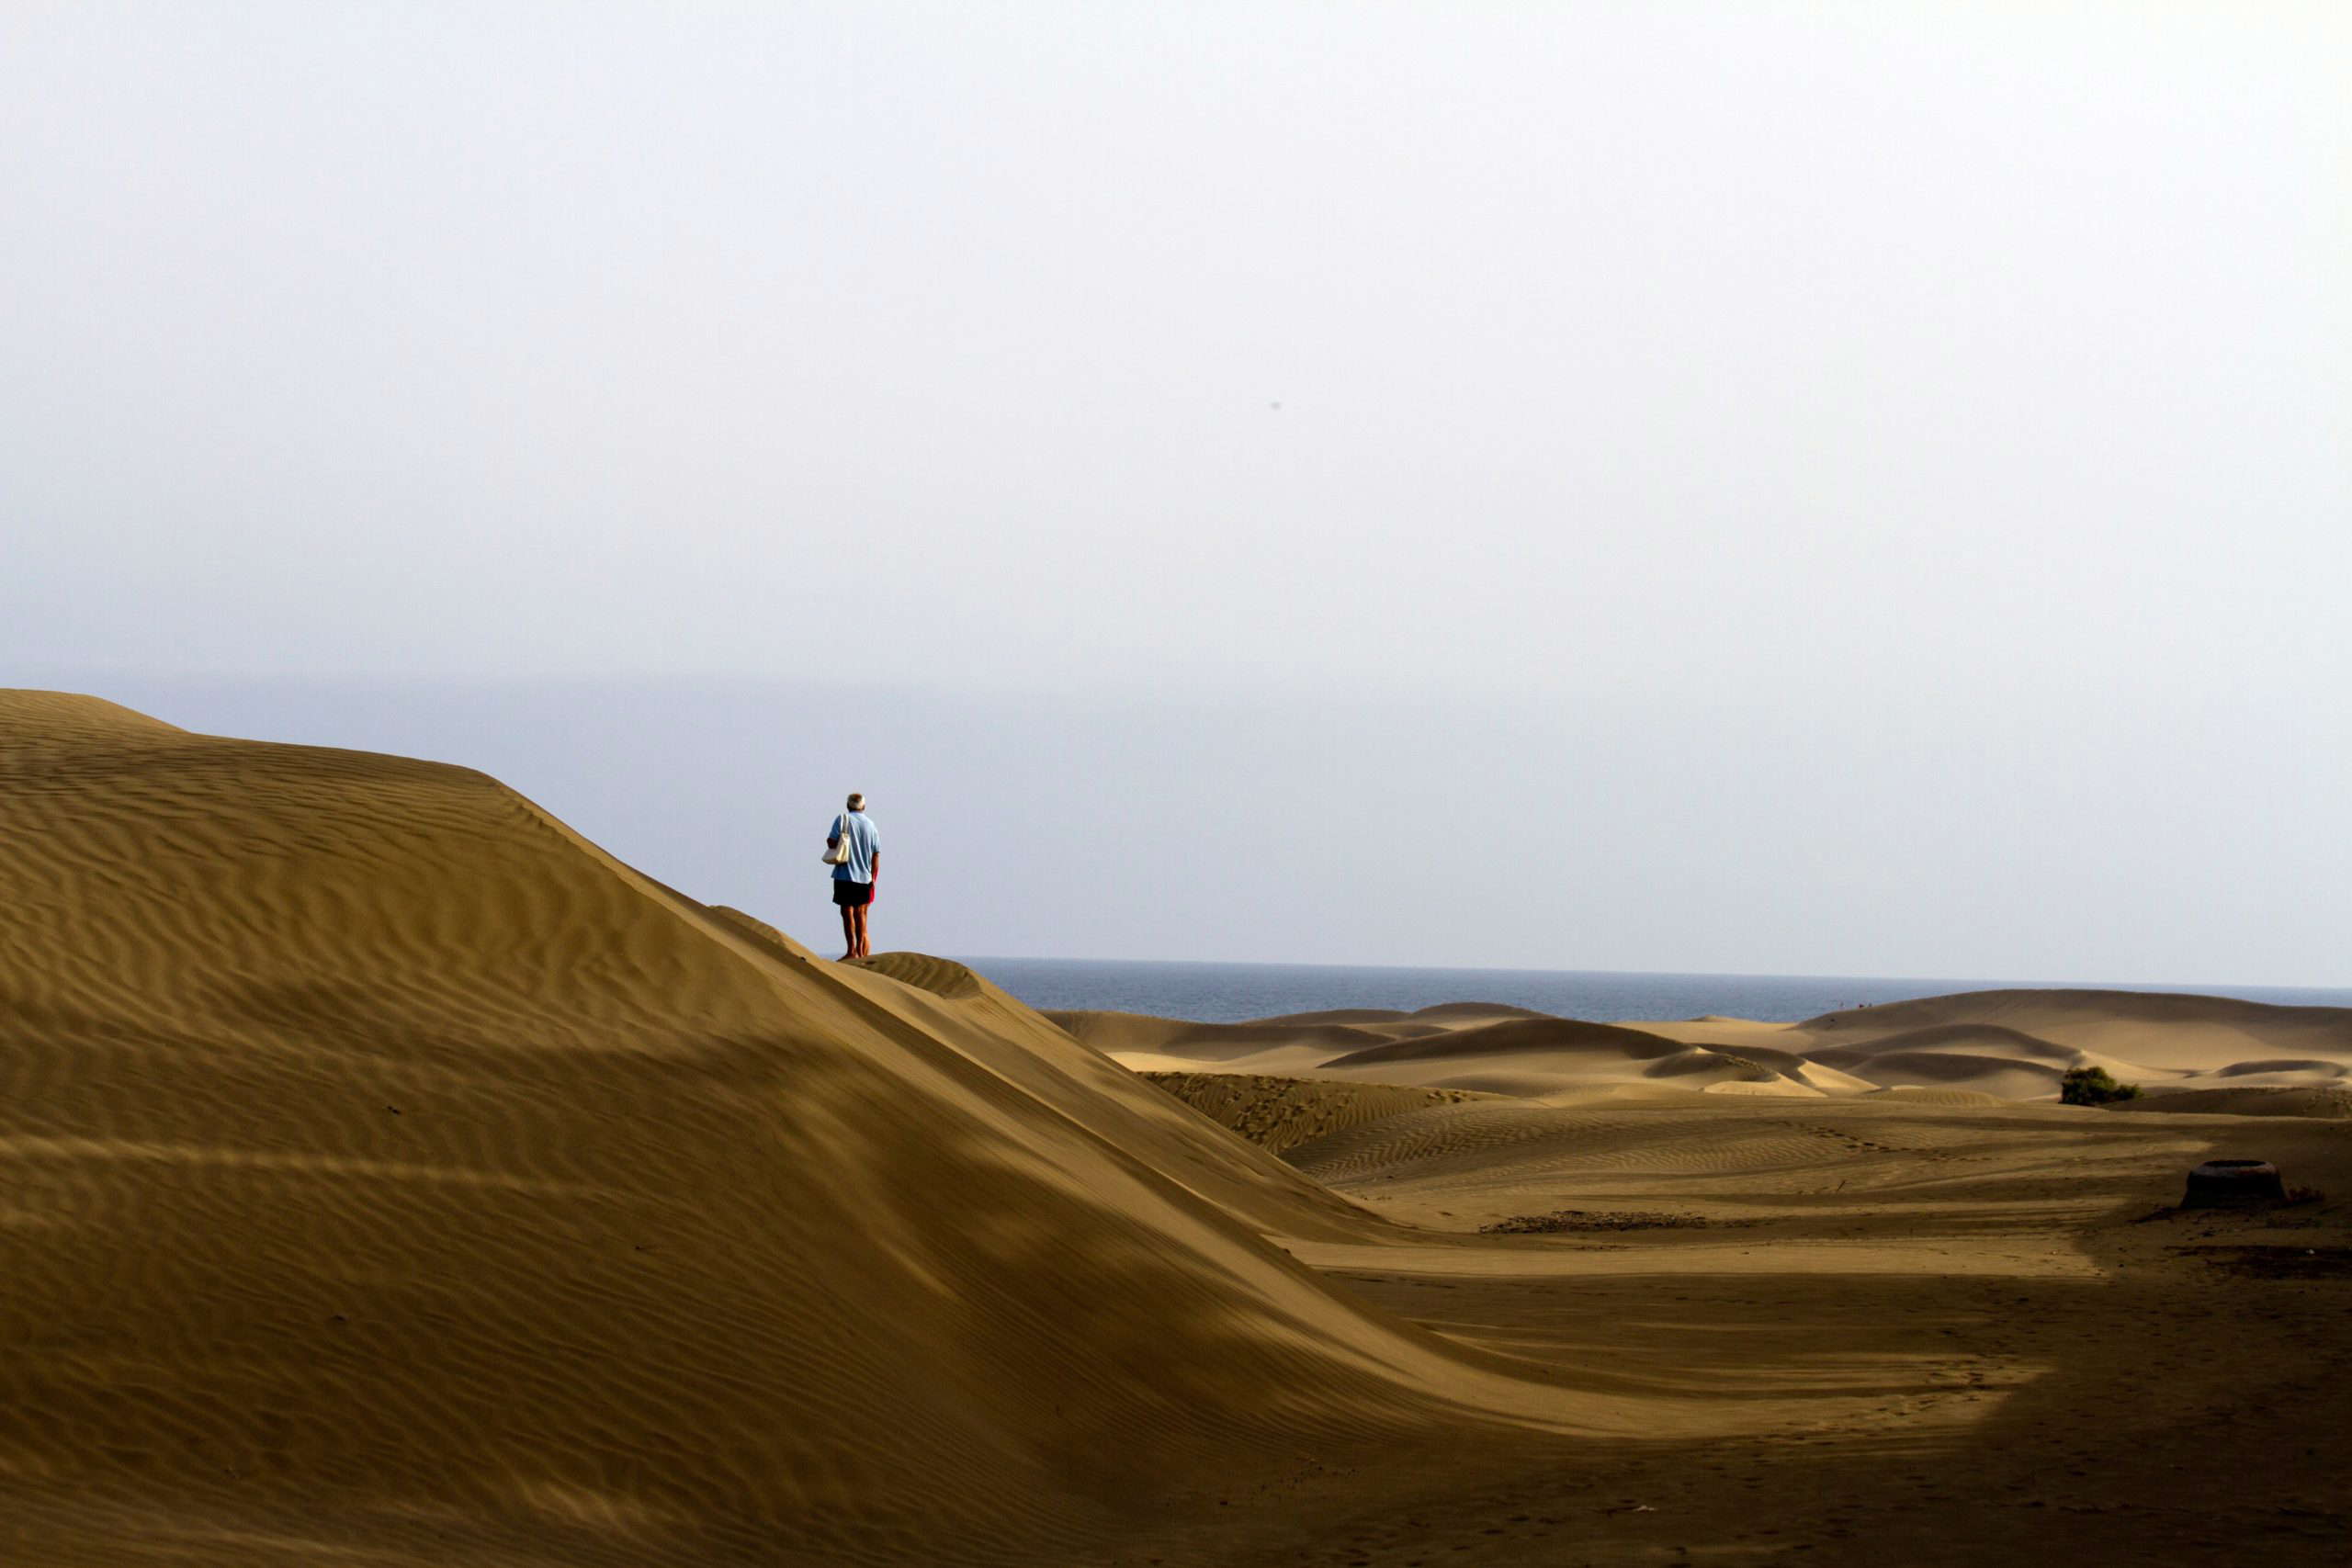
point(2008, 1045)
point(392, 1178)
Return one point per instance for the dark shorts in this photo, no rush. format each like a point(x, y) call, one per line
point(852, 895)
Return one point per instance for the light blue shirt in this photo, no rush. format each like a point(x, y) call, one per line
point(863, 844)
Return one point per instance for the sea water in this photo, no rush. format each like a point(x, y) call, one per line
point(1224, 993)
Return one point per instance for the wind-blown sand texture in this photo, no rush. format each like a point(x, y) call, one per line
point(1281, 1113)
point(391, 1177)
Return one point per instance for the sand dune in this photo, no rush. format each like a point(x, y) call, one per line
point(1328, 1015)
point(382, 1158)
point(2008, 1045)
point(1930, 1094)
point(1514, 1036)
point(2329, 1101)
point(1461, 1045)
point(1972, 1039)
point(1334, 1034)
point(2004, 1078)
point(1115, 1033)
point(2155, 1030)
point(2315, 1071)
point(1281, 1113)
point(394, 1178)
point(1473, 1012)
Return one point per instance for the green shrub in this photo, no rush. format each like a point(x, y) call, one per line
point(2092, 1086)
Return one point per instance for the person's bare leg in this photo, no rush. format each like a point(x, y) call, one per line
point(865, 944)
point(849, 933)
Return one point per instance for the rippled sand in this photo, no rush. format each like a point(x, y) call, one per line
point(390, 1177)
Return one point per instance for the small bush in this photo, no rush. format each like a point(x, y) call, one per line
point(2093, 1086)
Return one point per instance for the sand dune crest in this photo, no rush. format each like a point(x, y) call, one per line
point(379, 1150)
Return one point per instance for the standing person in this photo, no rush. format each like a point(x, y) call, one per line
point(854, 876)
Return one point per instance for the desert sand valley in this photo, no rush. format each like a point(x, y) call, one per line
point(393, 1178)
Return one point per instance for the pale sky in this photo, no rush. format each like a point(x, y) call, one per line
point(1838, 489)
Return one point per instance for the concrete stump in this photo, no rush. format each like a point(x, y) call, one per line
point(2233, 1184)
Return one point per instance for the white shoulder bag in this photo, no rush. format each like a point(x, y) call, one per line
point(837, 853)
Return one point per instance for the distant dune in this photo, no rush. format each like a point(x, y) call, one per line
point(2151, 1029)
point(1976, 1038)
point(2011, 1045)
point(1516, 1035)
point(1340, 1015)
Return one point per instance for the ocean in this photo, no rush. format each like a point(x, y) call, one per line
point(1225, 993)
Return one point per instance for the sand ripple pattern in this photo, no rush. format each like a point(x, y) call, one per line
point(1279, 1113)
point(387, 1176)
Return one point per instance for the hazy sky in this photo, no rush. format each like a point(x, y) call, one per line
point(1836, 488)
